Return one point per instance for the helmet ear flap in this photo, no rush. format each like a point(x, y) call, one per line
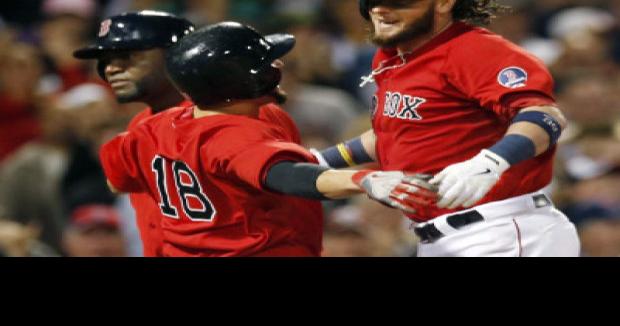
point(266, 81)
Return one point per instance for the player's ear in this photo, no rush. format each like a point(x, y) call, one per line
point(278, 64)
point(444, 7)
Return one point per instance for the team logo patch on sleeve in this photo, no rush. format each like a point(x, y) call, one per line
point(512, 77)
point(104, 29)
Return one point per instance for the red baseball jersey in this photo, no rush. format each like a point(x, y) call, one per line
point(453, 97)
point(207, 177)
point(148, 213)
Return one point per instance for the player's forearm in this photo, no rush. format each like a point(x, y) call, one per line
point(310, 181)
point(353, 152)
point(533, 131)
point(538, 135)
point(369, 141)
point(337, 184)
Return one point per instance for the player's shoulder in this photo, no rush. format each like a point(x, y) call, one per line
point(271, 111)
point(271, 107)
point(465, 33)
point(147, 114)
point(227, 134)
point(477, 42)
point(139, 118)
point(169, 114)
point(279, 119)
point(246, 129)
point(152, 123)
point(256, 126)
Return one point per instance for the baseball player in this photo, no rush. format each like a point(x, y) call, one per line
point(227, 182)
point(476, 111)
point(129, 50)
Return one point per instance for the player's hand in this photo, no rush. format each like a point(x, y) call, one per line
point(465, 183)
point(420, 193)
point(396, 190)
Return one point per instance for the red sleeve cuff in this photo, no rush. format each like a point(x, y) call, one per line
point(252, 165)
point(512, 103)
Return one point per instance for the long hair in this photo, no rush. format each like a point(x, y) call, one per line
point(478, 12)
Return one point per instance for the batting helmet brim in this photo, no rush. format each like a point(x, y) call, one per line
point(96, 51)
point(141, 30)
point(281, 45)
point(89, 52)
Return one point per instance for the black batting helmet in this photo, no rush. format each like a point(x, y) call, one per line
point(227, 61)
point(142, 30)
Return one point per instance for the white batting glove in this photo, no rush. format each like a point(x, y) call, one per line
point(396, 190)
point(465, 183)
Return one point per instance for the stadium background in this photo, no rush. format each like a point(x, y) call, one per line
point(55, 113)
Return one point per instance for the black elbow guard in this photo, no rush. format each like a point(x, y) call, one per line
point(296, 179)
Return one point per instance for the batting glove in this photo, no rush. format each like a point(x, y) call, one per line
point(396, 190)
point(465, 183)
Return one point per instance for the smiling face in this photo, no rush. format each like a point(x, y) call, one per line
point(134, 75)
point(398, 21)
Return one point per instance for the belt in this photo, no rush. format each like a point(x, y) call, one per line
point(429, 232)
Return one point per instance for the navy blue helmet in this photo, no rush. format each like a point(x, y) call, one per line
point(131, 31)
point(227, 61)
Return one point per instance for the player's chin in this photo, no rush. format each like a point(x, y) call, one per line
point(127, 96)
point(380, 36)
point(384, 39)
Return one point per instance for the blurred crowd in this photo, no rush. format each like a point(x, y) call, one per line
point(55, 112)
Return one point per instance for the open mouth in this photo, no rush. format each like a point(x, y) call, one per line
point(387, 23)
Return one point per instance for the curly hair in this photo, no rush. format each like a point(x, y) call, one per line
point(479, 12)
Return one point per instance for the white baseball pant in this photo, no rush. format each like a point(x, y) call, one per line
point(523, 226)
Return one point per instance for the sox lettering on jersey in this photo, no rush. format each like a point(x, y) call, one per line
point(402, 106)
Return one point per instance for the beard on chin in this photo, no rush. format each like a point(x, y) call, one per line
point(411, 31)
point(135, 96)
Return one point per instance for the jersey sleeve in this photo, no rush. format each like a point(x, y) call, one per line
point(120, 164)
point(247, 155)
point(497, 74)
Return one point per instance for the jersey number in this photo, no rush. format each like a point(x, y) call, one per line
point(190, 188)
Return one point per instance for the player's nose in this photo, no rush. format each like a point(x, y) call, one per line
point(114, 66)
